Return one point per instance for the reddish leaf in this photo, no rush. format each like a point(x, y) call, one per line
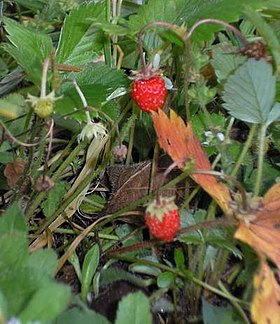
point(179, 141)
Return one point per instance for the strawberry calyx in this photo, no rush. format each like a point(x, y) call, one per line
point(43, 106)
point(148, 72)
point(160, 207)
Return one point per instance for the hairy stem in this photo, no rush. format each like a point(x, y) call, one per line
point(44, 78)
point(262, 133)
point(181, 32)
point(208, 224)
point(217, 22)
point(188, 276)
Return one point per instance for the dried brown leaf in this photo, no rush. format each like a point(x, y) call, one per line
point(13, 171)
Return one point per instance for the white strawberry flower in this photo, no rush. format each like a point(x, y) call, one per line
point(92, 130)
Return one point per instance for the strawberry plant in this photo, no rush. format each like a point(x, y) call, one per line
point(139, 157)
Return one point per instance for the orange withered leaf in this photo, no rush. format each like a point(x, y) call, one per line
point(265, 307)
point(261, 230)
point(179, 141)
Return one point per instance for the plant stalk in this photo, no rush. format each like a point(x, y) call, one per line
point(262, 133)
point(188, 276)
point(244, 151)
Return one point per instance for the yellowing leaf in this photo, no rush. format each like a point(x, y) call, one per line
point(272, 194)
point(265, 307)
point(179, 141)
point(262, 230)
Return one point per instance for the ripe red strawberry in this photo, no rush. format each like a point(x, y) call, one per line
point(163, 219)
point(149, 93)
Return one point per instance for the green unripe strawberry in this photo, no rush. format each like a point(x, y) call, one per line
point(43, 107)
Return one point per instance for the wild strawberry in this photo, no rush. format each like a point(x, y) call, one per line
point(149, 93)
point(163, 219)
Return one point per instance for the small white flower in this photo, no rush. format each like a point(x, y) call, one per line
point(92, 130)
point(168, 83)
point(156, 61)
point(220, 136)
point(208, 134)
point(14, 320)
point(205, 143)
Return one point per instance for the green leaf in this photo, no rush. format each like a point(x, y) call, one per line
point(85, 316)
point(30, 276)
point(274, 114)
point(92, 203)
point(74, 260)
point(90, 265)
point(141, 267)
point(3, 308)
point(187, 219)
point(37, 47)
point(250, 92)
point(270, 175)
point(111, 275)
point(224, 243)
point(96, 83)
point(145, 137)
point(55, 196)
point(80, 41)
point(12, 106)
point(165, 280)
point(134, 309)
point(110, 28)
point(214, 314)
point(225, 63)
point(48, 301)
point(189, 12)
point(44, 261)
point(267, 33)
point(13, 240)
point(6, 157)
point(179, 259)
point(36, 5)
point(8, 109)
point(275, 133)
point(12, 220)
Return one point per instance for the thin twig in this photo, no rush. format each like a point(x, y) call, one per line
point(22, 143)
point(218, 22)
